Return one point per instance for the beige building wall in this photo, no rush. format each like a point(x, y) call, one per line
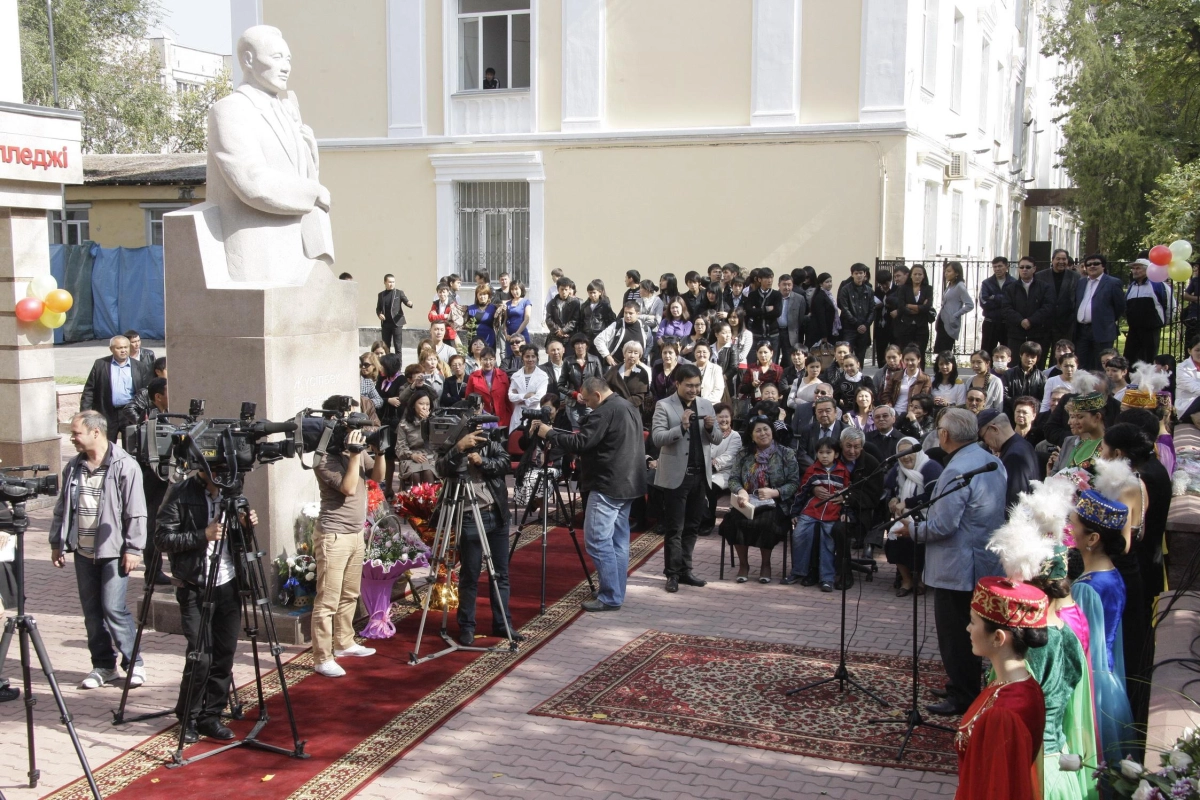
point(434, 102)
point(676, 66)
point(340, 58)
point(116, 217)
point(830, 48)
point(549, 65)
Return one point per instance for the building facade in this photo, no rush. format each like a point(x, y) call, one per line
point(186, 69)
point(660, 135)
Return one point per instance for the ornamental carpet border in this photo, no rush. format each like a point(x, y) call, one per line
point(732, 691)
point(353, 769)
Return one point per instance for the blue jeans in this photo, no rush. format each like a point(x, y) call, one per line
point(105, 616)
point(470, 556)
point(606, 537)
point(802, 540)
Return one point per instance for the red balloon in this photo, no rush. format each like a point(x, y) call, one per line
point(1160, 254)
point(29, 309)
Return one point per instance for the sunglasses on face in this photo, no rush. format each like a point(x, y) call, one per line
point(1093, 264)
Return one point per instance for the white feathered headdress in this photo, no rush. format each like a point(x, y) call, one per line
point(1114, 478)
point(1085, 382)
point(1035, 526)
point(1147, 378)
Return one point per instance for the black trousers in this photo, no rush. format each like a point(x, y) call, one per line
point(1088, 349)
point(684, 509)
point(882, 337)
point(942, 341)
point(993, 334)
point(964, 669)
point(391, 335)
point(859, 342)
point(214, 668)
point(470, 556)
point(1141, 344)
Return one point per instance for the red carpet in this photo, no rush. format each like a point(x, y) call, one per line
point(358, 725)
point(733, 691)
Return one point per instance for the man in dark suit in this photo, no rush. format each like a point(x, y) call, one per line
point(991, 301)
point(762, 306)
point(1099, 306)
point(825, 424)
point(861, 506)
point(556, 370)
point(609, 441)
point(885, 437)
point(1028, 308)
point(389, 307)
point(1015, 453)
point(139, 353)
point(802, 419)
point(113, 383)
point(793, 308)
point(1064, 280)
point(563, 313)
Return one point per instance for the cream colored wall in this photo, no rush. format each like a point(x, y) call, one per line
point(116, 218)
point(655, 208)
point(830, 45)
point(549, 64)
point(678, 65)
point(339, 59)
point(434, 105)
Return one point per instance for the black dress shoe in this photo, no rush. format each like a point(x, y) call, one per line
point(809, 581)
point(707, 530)
point(213, 729)
point(161, 579)
point(672, 585)
point(466, 638)
point(692, 580)
point(9, 693)
point(944, 709)
point(941, 693)
point(190, 736)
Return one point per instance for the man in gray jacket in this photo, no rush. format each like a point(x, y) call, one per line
point(684, 428)
point(100, 516)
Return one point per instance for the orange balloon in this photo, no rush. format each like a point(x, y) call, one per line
point(59, 300)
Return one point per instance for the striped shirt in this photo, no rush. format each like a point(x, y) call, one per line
point(87, 508)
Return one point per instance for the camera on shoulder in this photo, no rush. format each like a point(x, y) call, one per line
point(327, 429)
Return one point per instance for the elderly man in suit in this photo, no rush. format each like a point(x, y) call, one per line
point(1099, 306)
point(113, 383)
point(684, 429)
point(826, 424)
point(956, 532)
point(793, 308)
point(262, 171)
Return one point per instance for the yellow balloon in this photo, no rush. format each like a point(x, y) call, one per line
point(1180, 271)
point(53, 319)
point(41, 286)
point(59, 300)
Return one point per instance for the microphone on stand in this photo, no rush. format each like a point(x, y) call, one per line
point(967, 476)
point(898, 455)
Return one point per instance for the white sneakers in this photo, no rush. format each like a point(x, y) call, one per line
point(329, 669)
point(138, 677)
point(98, 677)
point(355, 651)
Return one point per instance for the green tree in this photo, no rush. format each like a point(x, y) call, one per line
point(1132, 90)
point(106, 69)
point(190, 131)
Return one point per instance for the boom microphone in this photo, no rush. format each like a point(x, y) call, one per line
point(266, 427)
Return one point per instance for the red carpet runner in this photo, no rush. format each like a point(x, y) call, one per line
point(358, 725)
point(733, 691)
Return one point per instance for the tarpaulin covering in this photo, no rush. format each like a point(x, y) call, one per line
point(127, 291)
point(71, 266)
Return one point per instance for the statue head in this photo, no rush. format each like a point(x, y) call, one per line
point(265, 59)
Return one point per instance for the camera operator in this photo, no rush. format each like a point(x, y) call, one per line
point(190, 530)
point(609, 441)
point(338, 546)
point(147, 405)
point(487, 465)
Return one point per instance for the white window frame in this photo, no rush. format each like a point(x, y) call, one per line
point(457, 25)
point(982, 229)
point(165, 207)
point(64, 224)
point(929, 220)
point(474, 167)
point(450, 69)
point(956, 62)
point(929, 46)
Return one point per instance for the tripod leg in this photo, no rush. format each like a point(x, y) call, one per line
point(30, 701)
point(491, 570)
point(29, 633)
point(441, 542)
point(152, 569)
point(575, 539)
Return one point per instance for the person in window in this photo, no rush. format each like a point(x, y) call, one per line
point(489, 79)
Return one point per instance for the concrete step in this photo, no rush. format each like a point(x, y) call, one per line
point(293, 626)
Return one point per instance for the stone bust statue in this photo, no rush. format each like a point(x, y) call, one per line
point(262, 171)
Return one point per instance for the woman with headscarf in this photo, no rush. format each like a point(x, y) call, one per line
point(908, 484)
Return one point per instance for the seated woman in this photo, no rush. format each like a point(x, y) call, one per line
point(948, 389)
point(631, 380)
point(908, 484)
point(724, 455)
point(861, 415)
point(662, 382)
point(764, 370)
point(512, 361)
point(454, 388)
point(712, 380)
point(368, 375)
point(674, 324)
point(431, 368)
point(699, 334)
point(770, 473)
point(847, 381)
point(413, 454)
point(982, 378)
point(527, 385)
point(804, 388)
point(919, 421)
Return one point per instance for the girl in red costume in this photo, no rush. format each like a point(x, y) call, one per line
point(999, 740)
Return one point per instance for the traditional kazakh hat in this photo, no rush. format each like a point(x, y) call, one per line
point(1096, 509)
point(1054, 568)
point(1010, 603)
point(1145, 384)
point(1092, 401)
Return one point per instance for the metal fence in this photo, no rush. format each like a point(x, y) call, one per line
point(492, 228)
point(1172, 339)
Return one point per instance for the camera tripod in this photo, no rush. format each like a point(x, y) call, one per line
point(546, 483)
point(458, 498)
point(255, 601)
point(26, 627)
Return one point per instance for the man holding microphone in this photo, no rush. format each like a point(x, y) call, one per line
point(609, 443)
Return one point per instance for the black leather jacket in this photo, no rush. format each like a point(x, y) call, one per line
point(179, 531)
point(496, 465)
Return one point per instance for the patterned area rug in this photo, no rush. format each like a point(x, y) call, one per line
point(730, 690)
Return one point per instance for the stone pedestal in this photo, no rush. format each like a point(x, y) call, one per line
point(284, 348)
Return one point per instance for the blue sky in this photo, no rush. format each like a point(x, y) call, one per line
point(202, 24)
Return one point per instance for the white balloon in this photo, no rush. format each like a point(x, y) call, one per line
point(1181, 249)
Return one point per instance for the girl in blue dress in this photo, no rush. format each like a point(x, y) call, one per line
point(517, 311)
point(484, 313)
point(1097, 526)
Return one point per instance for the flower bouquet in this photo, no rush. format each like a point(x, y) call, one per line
point(1178, 776)
point(390, 553)
point(298, 573)
point(418, 504)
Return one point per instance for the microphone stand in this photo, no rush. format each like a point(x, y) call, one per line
point(842, 673)
point(913, 718)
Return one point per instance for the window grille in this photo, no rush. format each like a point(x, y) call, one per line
point(492, 220)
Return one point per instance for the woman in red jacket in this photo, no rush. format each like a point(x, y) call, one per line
point(491, 384)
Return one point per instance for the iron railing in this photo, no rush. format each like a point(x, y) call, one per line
point(492, 229)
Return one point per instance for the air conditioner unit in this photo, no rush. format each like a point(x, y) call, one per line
point(956, 170)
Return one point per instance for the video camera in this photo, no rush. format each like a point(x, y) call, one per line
point(324, 430)
point(447, 425)
point(18, 490)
